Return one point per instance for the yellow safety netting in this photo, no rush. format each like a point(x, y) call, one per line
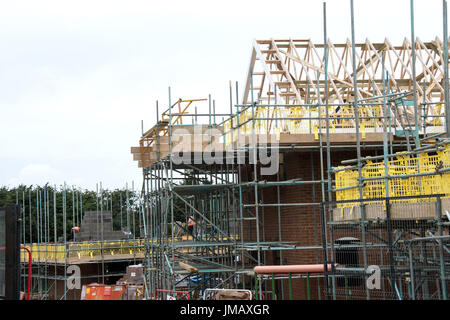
point(437, 183)
point(78, 250)
point(50, 252)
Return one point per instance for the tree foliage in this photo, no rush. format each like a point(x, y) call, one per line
point(45, 207)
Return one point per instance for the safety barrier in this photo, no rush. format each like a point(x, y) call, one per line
point(49, 252)
point(404, 166)
point(275, 120)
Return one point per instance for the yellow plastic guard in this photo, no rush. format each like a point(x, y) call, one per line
point(401, 186)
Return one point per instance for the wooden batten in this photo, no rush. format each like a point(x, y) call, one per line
point(188, 267)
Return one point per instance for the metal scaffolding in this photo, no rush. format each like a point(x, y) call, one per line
point(336, 136)
point(48, 216)
point(297, 100)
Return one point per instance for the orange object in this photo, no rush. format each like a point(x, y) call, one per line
point(301, 268)
point(103, 292)
point(77, 229)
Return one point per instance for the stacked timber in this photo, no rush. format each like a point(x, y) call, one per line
point(183, 139)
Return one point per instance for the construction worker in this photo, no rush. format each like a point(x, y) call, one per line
point(191, 224)
point(74, 231)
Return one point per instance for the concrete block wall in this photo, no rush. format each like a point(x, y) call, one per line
point(92, 224)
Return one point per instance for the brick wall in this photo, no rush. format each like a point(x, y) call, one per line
point(298, 223)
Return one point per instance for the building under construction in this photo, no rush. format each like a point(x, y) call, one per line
point(64, 236)
point(306, 190)
point(327, 178)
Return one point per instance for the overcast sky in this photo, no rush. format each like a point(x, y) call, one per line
point(77, 77)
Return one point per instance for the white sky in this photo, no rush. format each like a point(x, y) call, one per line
point(77, 77)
